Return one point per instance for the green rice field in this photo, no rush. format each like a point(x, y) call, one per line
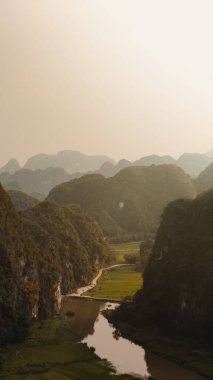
point(117, 283)
point(119, 250)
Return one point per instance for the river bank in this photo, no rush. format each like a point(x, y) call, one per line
point(93, 283)
point(53, 351)
point(85, 346)
point(187, 354)
point(192, 354)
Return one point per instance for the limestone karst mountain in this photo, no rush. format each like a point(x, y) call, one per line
point(36, 183)
point(194, 163)
point(19, 282)
point(21, 200)
point(177, 287)
point(10, 167)
point(71, 161)
point(128, 205)
point(204, 181)
point(43, 250)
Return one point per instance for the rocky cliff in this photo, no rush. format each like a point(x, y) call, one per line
point(71, 249)
point(178, 280)
point(44, 251)
point(19, 285)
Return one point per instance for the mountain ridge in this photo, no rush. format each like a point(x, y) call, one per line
point(128, 205)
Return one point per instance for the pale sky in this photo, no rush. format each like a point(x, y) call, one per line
point(126, 78)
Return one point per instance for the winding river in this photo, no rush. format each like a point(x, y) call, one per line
point(92, 328)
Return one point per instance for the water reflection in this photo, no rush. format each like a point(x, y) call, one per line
point(85, 314)
point(92, 328)
point(126, 357)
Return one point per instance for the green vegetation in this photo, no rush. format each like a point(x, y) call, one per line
point(120, 250)
point(51, 352)
point(71, 249)
point(204, 182)
point(117, 283)
point(21, 200)
point(178, 279)
point(129, 205)
point(18, 273)
point(178, 285)
point(43, 250)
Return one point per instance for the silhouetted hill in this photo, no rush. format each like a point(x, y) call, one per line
point(155, 160)
point(21, 200)
point(191, 163)
point(11, 167)
point(178, 281)
point(128, 205)
point(36, 183)
point(69, 160)
point(109, 170)
point(11, 185)
point(204, 181)
point(194, 163)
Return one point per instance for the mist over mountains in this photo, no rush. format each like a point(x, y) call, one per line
point(71, 161)
point(77, 162)
point(192, 163)
point(43, 172)
point(128, 205)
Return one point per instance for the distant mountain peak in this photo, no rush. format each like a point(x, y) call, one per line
point(69, 160)
point(11, 166)
point(210, 153)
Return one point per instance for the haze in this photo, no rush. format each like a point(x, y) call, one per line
point(126, 78)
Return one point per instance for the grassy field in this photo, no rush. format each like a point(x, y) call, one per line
point(51, 352)
point(122, 249)
point(117, 283)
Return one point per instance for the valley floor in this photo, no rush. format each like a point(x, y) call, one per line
point(117, 283)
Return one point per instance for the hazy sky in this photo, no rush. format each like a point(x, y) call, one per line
point(121, 77)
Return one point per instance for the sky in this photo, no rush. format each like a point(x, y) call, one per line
point(126, 78)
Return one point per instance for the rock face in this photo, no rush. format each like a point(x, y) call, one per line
point(11, 167)
point(178, 280)
point(36, 183)
point(128, 205)
point(19, 285)
point(204, 182)
point(71, 249)
point(44, 251)
point(69, 160)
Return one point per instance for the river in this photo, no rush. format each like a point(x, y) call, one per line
point(92, 328)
